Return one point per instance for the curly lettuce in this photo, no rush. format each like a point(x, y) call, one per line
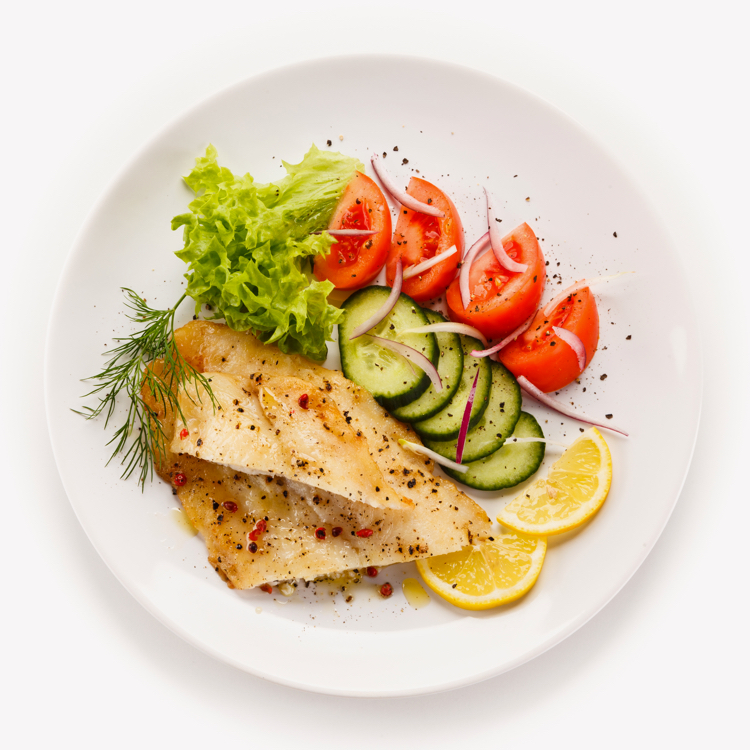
point(246, 245)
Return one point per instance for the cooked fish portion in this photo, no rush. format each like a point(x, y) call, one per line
point(281, 426)
point(289, 548)
point(211, 347)
point(262, 529)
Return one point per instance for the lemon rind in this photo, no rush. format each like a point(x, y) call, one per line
point(487, 601)
point(586, 511)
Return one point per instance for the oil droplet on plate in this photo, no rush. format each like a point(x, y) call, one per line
point(415, 594)
point(182, 520)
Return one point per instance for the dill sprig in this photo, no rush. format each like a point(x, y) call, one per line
point(140, 438)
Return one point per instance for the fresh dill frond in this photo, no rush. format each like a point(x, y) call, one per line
point(140, 438)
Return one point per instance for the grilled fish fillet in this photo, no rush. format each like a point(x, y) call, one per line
point(259, 427)
point(225, 504)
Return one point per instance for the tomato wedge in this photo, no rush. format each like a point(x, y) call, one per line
point(543, 358)
point(419, 237)
point(501, 300)
point(355, 261)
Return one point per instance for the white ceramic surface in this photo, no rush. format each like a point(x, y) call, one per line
point(460, 129)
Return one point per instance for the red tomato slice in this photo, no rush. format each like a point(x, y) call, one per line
point(501, 300)
point(419, 237)
point(543, 358)
point(355, 261)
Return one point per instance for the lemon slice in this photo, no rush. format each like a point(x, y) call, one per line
point(574, 489)
point(488, 573)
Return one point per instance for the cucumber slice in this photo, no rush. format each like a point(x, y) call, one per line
point(390, 378)
point(497, 422)
point(450, 366)
point(508, 466)
point(446, 424)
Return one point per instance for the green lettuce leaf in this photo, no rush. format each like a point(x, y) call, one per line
point(246, 245)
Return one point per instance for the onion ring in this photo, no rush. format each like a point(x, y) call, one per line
point(436, 457)
point(401, 195)
point(510, 337)
point(429, 263)
point(463, 278)
point(564, 409)
point(496, 239)
point(390, 303)
point(449, 327)
point(412, 356)
point(574, 342)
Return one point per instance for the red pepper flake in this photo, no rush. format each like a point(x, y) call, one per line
point(364, 533)
point(179, 480)
point(304, 400)
point(386, 590)
point(252, 547)
point(258, 531)
point(320, 533)
point(372, 571)
point(267, 588)
point(336, 530)
point(184, 434)
point(230, 506)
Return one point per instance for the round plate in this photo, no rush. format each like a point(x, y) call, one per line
point(461, 130)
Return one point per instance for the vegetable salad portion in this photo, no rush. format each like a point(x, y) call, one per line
point(245, 245)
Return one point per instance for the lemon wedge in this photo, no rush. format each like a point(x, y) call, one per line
point(574, 489)
point(486, 574)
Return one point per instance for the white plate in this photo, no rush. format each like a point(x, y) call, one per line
point(462, 130)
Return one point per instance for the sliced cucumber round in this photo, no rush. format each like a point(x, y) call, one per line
point(446, 424)
point(497, 422)
point(450, 367)
point(389, 377)
point(510, 465)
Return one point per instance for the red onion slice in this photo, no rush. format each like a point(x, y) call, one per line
point(349, 232)
point(436, 457)
point(413, 356)
point(390, 303)
point(401, 195)
point(465, 420)
point(549, 308)
point(496, 238)
point(429, 263)
point(463, 279)
point(511, 337)
point(562, 408)
point(449, 327)
point(574, 343)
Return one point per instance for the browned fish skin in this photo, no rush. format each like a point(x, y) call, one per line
point(442, 519)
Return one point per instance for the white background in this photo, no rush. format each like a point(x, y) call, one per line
point(663, 84)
